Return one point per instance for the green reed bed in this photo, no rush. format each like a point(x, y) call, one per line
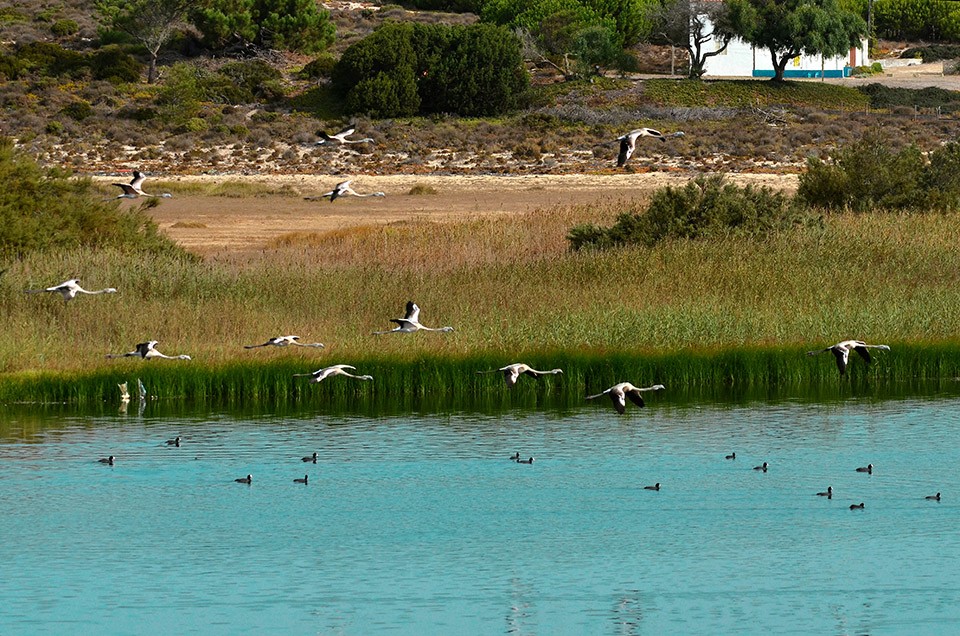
point(724, 312)
point(455, 382)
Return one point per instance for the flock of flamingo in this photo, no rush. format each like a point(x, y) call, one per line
point(410, 322)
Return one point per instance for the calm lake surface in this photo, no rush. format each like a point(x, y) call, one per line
point(419, 523)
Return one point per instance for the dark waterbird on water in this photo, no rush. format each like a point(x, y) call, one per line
point(866, 469)
point(935, 497)
point(761, 467)
point(731, 456)
point(301, 481)
point(311, 458)
point(244, 480)
point(828, 493)
point(858, 506)
point(106, 460)
point(656, 486)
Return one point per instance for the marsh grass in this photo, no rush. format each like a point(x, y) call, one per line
point(728, 312)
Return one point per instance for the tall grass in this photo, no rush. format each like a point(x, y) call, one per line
point(688, 313)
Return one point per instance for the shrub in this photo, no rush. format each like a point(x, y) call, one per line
point(256, 78)
point(78, 110)
point(320, 67)
point(42, 209)
point(296, 25)
point(63, 28)
point(115, 65)
point(933, 52)
point(402, 69)
point(864, 176)
point(705, 207)
point(51, 60)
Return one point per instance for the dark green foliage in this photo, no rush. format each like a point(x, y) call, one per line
point(78, 110)
point(915, 19)
point(933, 52)
point(882, 96)
point(44, 209)
point(113, 64)
point(63, 28)
point(50, 60)
point(705, 207)
point(403, 69)
point(554, 21)
point(868, 175)
point(320, 67)
point(296, 25)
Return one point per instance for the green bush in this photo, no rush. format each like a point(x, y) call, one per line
point(63, 28)
point(296, 25)
point(882, 96)
point(50, 60)
point(864, 176)
point(933, 52)
point(46, 209)
point(255, 77)
point(705, 207)
point(113, 64)
point(320, 67)
point(403, 69)
point(78, 110)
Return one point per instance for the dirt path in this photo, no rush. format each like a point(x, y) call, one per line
point(209, 224)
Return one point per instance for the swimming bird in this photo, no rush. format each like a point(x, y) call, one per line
point(411, 322)
point(762, 467)
point(512, 372)
point(343, 189)
point(311, 458)
point(935, 497)
point(628, 142)
point(173, 442)
point(515, 457)
point(301, 481)
point(106, 460)
point(656, 486)
point(341, 137)
point(124, 394)
point(858, 506)
point(841, 351)
point(284, 341)
point(828, 493)
point(620, 392)
point(244, 480)
point(525, 461)
point(70, 288)
point(731, 456)
point(134, 189)
point(337, 369)
point(147, 351)
point(866, 469)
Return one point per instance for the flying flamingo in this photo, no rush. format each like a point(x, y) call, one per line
point(134, 189)
point(341, 137)
point(70, 288)
point(337, 369)
point(343, 189)
point(841, 351)
point(620, 392)
point(628, 142)
point(411, 322)
point(283, 341)
point(512, 372)
point(147, 351)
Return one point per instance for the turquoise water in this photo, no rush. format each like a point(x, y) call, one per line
point(419, 524)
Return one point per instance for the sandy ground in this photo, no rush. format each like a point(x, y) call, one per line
point(212, 224)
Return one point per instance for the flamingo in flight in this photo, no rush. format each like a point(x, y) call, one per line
point(284, 341)
point(628, 142)
point(337, 369)
point(341, 137)
point(619, 393)
point(511, 372)
point(134, 189)
point(841, 351)
point(147, 351)
point(70, 288)
point(411, 322)
point(343, 189)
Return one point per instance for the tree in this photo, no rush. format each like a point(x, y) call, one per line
point(152, 23)
point(691, 24)
point(788, 28)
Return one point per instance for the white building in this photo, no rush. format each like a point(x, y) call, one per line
point(743, 60)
